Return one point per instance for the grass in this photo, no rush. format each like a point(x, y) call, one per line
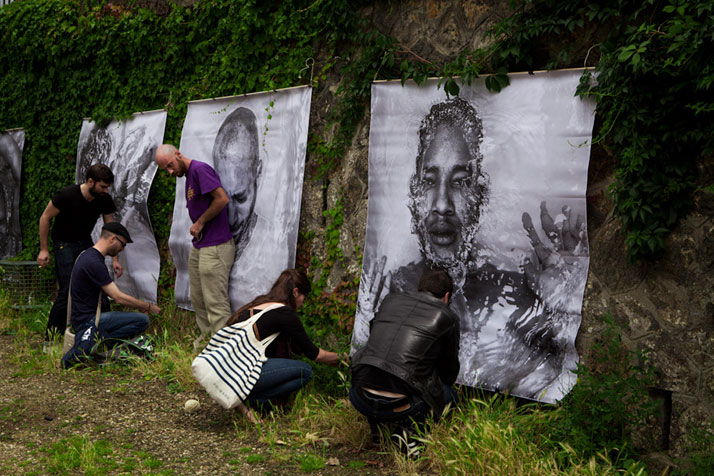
point(255, 459)
point(497, 437)
point(311, 462)
point(481, 436)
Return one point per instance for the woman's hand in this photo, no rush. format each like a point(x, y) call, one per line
point(248, 413)
point(328, 358)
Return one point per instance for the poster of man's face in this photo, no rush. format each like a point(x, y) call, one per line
point(490, 187)
point(12, 144)
point(127, 148)
point(256, 144)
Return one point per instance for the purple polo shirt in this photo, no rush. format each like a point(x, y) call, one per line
point(201, 180)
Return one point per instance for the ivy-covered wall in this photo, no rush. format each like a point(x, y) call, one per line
point(63, 61)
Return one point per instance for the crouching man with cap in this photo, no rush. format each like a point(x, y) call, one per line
point(411, 360)
point(90, 279)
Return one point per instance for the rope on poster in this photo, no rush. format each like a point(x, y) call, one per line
point(309, 64)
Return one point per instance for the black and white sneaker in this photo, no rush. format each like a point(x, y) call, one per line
point(406, 444)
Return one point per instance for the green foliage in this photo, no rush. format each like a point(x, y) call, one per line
point(496, 436)
point(609, 400)
point(653, 92)
point(73, 454)
point(311, 462)
point(654, 99)
point(63, 61)
point(81, 455)
point(328, 313)
point(255, 459)
point(700, 455)
point(588, 432)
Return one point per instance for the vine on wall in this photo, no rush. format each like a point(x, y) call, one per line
point(653, 92)
point(62, 61)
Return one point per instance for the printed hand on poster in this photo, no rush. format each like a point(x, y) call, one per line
point(550, 265)
point(374, 286)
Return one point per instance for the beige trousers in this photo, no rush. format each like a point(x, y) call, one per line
point(208, 271)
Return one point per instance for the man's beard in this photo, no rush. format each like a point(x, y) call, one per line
point(456, 264)
point(96, 194)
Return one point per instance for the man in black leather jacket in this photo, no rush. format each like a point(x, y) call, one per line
point(411, 358)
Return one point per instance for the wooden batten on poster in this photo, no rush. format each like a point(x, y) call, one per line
point(249, 94)
point(491, 74)
point(89, 119)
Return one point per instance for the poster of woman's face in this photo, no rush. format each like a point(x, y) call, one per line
point(490, 187)
point(256, 144)
point(12, 144)
point(127, 148)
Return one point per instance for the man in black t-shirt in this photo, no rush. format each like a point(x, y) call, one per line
point(90, 278)
point(75, 210)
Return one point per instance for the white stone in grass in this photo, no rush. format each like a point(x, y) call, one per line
point(191, 405)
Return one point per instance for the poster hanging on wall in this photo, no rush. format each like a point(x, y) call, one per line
point(127, 147)
point(257, 144)
point(12, 143)
point(491, 187)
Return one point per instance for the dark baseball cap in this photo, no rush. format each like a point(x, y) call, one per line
point(117, 229)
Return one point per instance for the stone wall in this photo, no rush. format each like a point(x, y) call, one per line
point(666, 307)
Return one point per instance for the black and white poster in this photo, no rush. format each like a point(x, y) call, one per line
point(127, 148)
point(12, 143)
point(257, 145)
point(491, 187)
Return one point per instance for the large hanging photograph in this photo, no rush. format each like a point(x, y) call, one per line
point(127, 147)
point(12, 143)
point(256, 143)
point(491, 187)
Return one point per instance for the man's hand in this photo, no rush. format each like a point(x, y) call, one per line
point(118, 269)
point(219, 200)
point(43, 258)
point(551, 264)
point(196, 230)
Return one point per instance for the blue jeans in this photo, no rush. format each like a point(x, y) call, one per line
point(280, 377)
point(112, 325)
point(122, 325)
point(65, 255)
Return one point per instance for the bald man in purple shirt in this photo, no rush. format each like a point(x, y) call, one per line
point(211, 259)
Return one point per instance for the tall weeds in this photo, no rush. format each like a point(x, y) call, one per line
point(585, 434)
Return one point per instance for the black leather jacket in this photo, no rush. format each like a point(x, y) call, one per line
point(415, 337)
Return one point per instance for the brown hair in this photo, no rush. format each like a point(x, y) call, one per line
point(436, 282)
point(100, 173)
point(282, 291)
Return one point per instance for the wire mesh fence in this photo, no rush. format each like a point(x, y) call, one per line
point(26, 284)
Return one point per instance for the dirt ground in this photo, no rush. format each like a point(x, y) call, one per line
point(146, 428)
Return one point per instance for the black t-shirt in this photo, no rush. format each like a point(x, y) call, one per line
point(292, 333)
point(88, 276)
point(77, 216)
